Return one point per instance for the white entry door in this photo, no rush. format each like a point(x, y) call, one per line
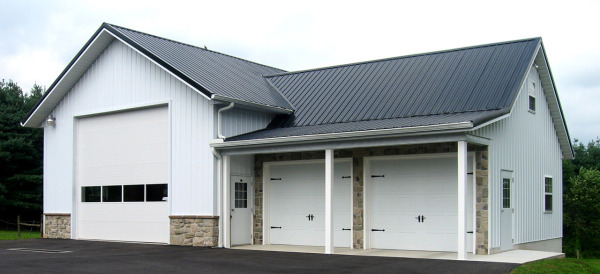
point(297, 203)
point(506, 213)
point(413, 203)
point(241, 210)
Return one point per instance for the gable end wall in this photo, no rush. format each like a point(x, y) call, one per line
point(527, 144)
point(121, 78)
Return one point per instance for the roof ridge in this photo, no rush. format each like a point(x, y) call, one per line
point(412, 116)
point(189, 45)
point(403, 56)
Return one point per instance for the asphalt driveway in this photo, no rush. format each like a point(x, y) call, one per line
point(76, 256)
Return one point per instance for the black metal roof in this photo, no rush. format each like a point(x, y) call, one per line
point(212, 73)
point(430, 120)
point(415, 90)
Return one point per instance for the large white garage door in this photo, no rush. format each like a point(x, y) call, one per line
point(122, 176)
point(413, 203)
point(297, 204)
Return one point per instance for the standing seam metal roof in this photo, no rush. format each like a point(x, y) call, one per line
point(479, 78)
point(211, 72)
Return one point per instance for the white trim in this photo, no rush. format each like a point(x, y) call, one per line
point(329, 189)
point(226, 196)
point(125, 108)
point(462, 205)
point(327, 136)
point(251, 104)
point(548, 193)
point(492, 121)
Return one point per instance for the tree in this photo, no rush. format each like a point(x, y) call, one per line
point(582, 208)
point(21, 154)
point(586, 156)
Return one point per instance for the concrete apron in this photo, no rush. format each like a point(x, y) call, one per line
point(518, 256)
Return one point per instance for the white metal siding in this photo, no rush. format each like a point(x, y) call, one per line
point(242, 165)
point(121, 78)
point(239, 121)
point(527, 144)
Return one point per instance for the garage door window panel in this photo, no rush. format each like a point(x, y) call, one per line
point(133, 193)
point(112, 193)
point(156, 193)
point(90, 194)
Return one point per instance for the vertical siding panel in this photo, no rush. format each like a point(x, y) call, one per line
point(120, 78)
point(526, 143)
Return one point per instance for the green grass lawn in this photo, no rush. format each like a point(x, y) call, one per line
point(12, 235)
point(567, 265)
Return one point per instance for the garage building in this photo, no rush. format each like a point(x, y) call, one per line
point(151, 140)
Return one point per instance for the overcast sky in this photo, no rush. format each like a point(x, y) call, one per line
point(39, 38)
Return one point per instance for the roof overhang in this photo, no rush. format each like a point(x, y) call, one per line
point(551, 95)
point(68, 77)
point(228, 147)
point(88, 54)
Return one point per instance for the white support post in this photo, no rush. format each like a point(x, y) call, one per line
point(329, 201)
point(226, 214)
point(462, 205)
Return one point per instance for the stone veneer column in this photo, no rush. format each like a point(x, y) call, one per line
point(357, 202)
point(191, 230)
point(57, 225)
point(482, 204)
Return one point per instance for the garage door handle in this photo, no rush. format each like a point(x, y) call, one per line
point(276, 227)
point(374, 229)
point(346, 229)
point(377, 176)
point(469, 232)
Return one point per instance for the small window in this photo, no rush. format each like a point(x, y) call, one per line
point(112, 193)
point(90, 194)
point(133, 193)
point(156, 193)
point(531, 103)
point(548, 194)
point(241, 195)
point(505, 193)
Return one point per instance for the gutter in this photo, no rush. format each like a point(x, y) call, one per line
point(329, 136)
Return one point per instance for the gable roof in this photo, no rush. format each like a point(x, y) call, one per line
point(480, 78)
point(215, 75)
point(466, 85)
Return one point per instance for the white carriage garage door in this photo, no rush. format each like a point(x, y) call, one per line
point(122, 176)
point(297, 204)
point(413, 203)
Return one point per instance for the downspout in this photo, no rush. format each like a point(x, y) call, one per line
point(219, 133)
point(219, 173)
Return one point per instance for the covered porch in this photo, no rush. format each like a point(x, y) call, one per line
point(460, 232)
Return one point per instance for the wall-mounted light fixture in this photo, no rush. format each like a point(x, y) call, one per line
point(51, 121)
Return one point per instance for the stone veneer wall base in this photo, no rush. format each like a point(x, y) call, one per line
point(192, 230)
point(57, 225)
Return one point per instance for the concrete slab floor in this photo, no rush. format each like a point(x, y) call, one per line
point(512, 256)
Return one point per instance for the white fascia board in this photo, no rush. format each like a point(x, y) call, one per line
point(60, 83)
point(344, 135)
point(492, 121)
point(251, 105)
point(553, 103)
